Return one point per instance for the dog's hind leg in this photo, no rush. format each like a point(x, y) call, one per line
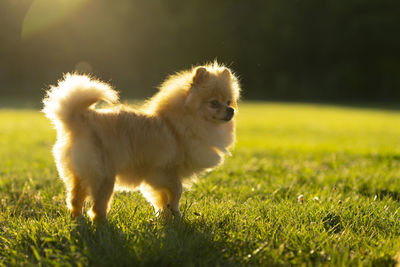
point(101, 199)
point(76, 197)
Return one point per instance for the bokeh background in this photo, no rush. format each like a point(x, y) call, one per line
point(302, 50)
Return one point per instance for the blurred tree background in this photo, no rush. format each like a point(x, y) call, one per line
point(313, 50)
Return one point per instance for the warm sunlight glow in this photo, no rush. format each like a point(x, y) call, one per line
point(45, 13)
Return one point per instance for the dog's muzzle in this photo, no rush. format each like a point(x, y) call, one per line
point(229, 114)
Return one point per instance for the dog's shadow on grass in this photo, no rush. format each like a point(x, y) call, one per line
point(175, 242)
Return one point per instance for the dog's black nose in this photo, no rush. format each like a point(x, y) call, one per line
point(229, 113)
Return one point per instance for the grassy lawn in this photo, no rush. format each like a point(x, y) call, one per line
point(344, 161)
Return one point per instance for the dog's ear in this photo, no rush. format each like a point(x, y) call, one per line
point(226, 73)
point(200, 75)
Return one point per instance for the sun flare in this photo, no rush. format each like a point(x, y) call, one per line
point(43, 14)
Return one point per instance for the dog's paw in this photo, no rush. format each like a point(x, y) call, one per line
point(174, 212)
point(169, 213)
point(97, 217)
point(75, 213)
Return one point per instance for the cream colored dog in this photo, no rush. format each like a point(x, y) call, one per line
point(183, 130)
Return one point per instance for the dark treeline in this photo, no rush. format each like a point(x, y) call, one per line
point(282, 49)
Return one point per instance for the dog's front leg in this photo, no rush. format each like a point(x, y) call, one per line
point(164, 191)
point(174, 193)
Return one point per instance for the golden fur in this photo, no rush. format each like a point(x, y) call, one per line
point(183, 130)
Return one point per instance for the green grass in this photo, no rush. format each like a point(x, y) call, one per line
point(246, 212)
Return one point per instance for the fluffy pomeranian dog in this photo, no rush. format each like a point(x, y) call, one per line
point(183, 130)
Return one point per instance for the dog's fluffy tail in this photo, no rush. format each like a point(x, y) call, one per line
point(73, 95)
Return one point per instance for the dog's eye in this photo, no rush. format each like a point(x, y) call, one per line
point(214, 104)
